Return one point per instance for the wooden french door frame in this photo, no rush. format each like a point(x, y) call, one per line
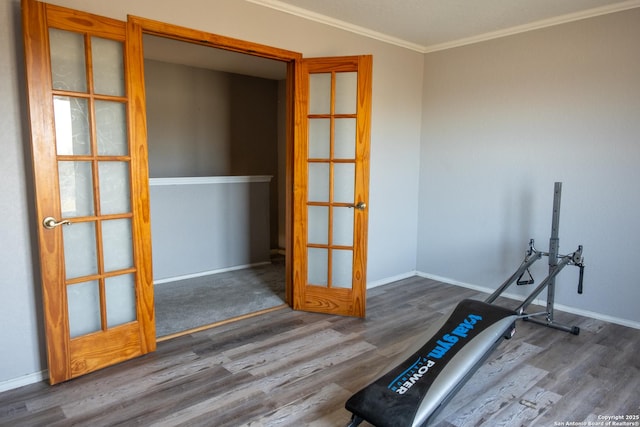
point(292, 59)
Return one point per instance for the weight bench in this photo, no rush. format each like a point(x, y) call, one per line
point(408, 394)
point(413, 391)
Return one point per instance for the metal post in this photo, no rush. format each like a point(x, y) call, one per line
point(554, 243)
point(556, 264)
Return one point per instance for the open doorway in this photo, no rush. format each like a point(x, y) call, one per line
point(216, 124)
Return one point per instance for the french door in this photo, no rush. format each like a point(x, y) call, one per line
point(331, 177)
point(85, 81)
point(86, 107)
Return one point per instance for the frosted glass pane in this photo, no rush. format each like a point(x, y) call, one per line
point(319, 138)
point(108, 66)
point(76, 188)
point(68, 67)
point(84, 308)
point(345, 139)
point(111, 127)
point(318, 182)
point(342, 269)
point(343, 182)
point(120, 292)
point(71, 117)
point(346, 93)
point(117, 244)
point(320, 93)
point(114, 187)
point(317, 266)
point(343, 226)
point(80, 249)
point(318, 225)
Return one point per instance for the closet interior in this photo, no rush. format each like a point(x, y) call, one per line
point(217, 165)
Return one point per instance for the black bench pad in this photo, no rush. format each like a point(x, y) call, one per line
point(397, 399)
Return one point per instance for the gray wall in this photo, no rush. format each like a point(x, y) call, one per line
point(211, 123)
point(188, 119)
point(21, 332)
point(200, 226)
point(503, 120)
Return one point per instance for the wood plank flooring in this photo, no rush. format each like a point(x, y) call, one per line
point(289, 368)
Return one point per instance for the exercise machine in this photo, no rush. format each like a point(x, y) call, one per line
point(430, 374)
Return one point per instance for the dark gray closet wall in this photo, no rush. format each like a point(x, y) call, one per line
point(209, 123)
point(204, 123)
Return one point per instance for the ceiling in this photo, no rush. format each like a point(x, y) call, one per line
point(429, 25)
point(421, 25)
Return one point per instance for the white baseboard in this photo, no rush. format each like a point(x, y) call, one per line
point(598, 316)
point(387, 280)
point(538, 301)
point(36, 377)
point(474, 287)
point(207, 273)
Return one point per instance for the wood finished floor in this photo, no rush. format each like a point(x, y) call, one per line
point(291, 368)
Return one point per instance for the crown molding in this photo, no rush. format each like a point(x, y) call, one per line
point(562, 19)
point(337, 23)
point(544, 23)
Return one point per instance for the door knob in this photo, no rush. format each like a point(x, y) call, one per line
point(50, 222)
point(360, 206)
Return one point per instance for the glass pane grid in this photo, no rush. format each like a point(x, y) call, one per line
point(101, 264)
point(330, 267)
point(92, 147)
point(331, 162)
